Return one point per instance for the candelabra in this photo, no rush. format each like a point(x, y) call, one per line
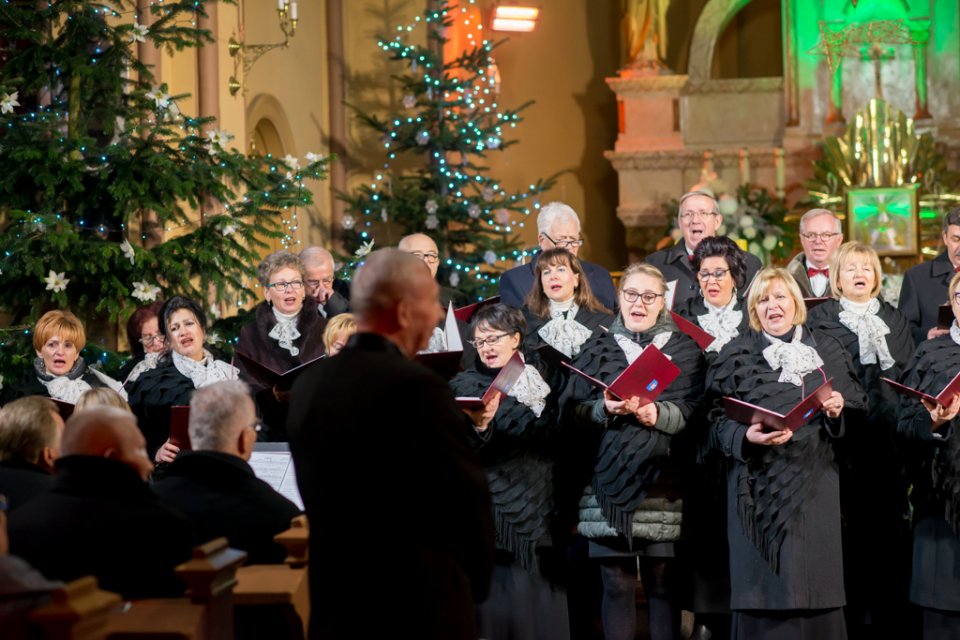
point(247, 54)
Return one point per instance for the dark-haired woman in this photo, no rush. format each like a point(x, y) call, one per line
point(632, 507)
point(524, 603)
point(186, 367)
point(146, 342)
point(286, 332)
point(873, 493)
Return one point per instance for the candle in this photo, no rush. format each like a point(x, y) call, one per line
point(281, 5)
point(781, 171)
point(293, 11)
point(744, 165)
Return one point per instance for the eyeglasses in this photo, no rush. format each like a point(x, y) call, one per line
point(149, 340)
point(491, 341)
point(956, 298)
point(429, 258)
point(293, 285)
point(717, 275)
point(565, 244)
point(647, 297)
point(326, 282)
point(702, 214)
point(824, 237)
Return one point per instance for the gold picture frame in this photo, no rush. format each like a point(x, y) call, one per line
point(885, 218)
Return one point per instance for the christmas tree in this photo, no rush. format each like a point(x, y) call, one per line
point(449, 121)
point(97, 161)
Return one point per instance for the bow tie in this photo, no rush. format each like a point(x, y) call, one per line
point(811, 271)
point(956, 269)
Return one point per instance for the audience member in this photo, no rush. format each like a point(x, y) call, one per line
point(821, 234)
point(30, 433)
point(101, 397)
point(146, 342)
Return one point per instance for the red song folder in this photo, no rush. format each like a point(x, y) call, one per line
point(465, 314)
point(180, 426)
point(746, 413)
point(649, 375)
point(810, 303)
point(701, 337)
point(944, 398)
point(944, 316)
point(503, 383)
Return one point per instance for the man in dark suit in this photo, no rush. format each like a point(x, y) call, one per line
point(215, 487)
point(558, 226)
point(422, 246)
point(821, 234)
point(30, 432)
point(925, 285)
point(332, 293)
point(699, 217)
point(390, 483)
point(100, 518)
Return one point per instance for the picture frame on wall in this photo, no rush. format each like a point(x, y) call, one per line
point(885, 218)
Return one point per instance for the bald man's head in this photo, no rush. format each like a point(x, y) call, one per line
point(392, 294)
point(107, 432)
point(422, 246)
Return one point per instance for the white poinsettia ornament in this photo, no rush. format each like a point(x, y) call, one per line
point(145, 292)
point(292, 161)
point(312, 157)
point(139, 32)
point(364, 249)
point(160, 99)
point(128, 251)
point(56, 282)
point(8, 102)
point(217, 139)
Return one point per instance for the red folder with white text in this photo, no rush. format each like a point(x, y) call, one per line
point(504, 381)
point(646, 378)
point(746, 413)
point(944, 398)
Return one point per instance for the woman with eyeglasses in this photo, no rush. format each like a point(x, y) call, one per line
point(284, 334)
point(58, 371)
point(560, 309)
point(783, 501)
point(873, 493)
point(146, 342)
point(632, 504)
point(515, 449)
point(186, 367)
point(933, 461)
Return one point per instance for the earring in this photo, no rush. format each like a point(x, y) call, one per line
point(700, 292)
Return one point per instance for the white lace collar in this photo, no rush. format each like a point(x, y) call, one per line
point(562, 308)
point(64, 389)
point(861, 318)
point(955, 332)
point(563, 332)
point(531, 390)
point(794, 359)
point(149, 362)
point(723, 323)
point(285, 331)
point(204, 372)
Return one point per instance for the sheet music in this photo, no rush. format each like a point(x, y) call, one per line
point(276, 469)
point(452, 331)
point(668, 296)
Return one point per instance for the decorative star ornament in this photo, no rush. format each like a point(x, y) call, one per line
point(145, 292)
point(56, 282)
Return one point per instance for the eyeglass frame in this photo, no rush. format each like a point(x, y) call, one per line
point(698, 213)
point(564, 244)
point(429, 257)
point(282, 286)
point(822, 236)
point(956, 297)
point(326, 282)
point(716, 274)
point(644, 297)
point(149, 340)
point(491, 341)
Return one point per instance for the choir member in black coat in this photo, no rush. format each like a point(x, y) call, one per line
point(146, 342)
point(721, 271)
point(285, 333)
point(633, 504)
point(58, 371)
point(783, 514)
point(524, 603)
point(30, 432)
point(935, 478)
point(873, 494)
point(387, 475)
point(186, 367)
point(924, 286)
point(560, 309)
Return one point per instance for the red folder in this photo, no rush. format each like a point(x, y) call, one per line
point(746, 413)
point(465, 314)
point(944, 316)
point(700, 336)
point(944, 398)
point(269, 376)
point(814, 302)
point(649, 375)
point(180, 427)
point(503, 383)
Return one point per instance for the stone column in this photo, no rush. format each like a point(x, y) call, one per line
point(920, 39)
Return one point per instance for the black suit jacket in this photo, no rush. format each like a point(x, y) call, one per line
point(516, 283)
point(675, 265)
point(388, 479)
point(101, 519)
point(924, 290)
point(221, 496)
point(21, 481)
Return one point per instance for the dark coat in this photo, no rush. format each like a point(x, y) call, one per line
point(674, 262)
point(934, 465)
point(797, 267)
point(924, 289)
point(101, 519)
point(255, 343)
point(220, 494)
point(783, 516)
point(30, 385)
point(516, 283)
point(151, 396)
point(385, 468)
point(515, 450)
point(334, 306)
point(21, 481)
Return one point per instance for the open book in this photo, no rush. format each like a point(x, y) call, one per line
point(944, 398)
point(504, 381)
point(701, 337)
point(272, 463)
point(465, 314)
point(649, 375)
point(445, 363)
point(269, 376)
point(746, 413)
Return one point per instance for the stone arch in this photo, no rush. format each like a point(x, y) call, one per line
point(269, 120)
point(714, 18)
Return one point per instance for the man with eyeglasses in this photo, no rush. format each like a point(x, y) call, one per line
point(558, 226)
point(821, 234)
point(422, 246)
point(925, 286)
point(698, 218)
point(332, 293)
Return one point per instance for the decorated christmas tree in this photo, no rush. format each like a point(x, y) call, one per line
point(449, 120)
point(112, 196)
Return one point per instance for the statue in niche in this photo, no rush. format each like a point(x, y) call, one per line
point(644, 26)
